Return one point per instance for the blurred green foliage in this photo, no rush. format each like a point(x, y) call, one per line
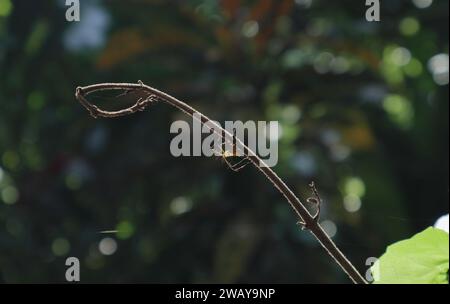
point(363, 108)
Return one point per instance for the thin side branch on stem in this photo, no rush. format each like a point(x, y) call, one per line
point(149, 95)
point(315, 200)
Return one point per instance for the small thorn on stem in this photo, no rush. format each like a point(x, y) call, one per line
point(303, 225)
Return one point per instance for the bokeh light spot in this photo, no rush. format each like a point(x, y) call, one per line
point(422, 3)
point(399, 109)
point(409, 26)
point(11, 160)
point(107, 246)
point(352, 203)
point(291, 114)
point(439, 66)
point(340, 65)
point(125, 230)
point(329, 227)
point(355, 186)
point(304, 3)
point(180, 205)
point(60, 246)
point(414, 68)
point(250, 29)
point(401, 56)
point(322, 63)
point(10, 195)
point(6, 7)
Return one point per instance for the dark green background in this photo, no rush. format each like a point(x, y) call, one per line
point(360, 111)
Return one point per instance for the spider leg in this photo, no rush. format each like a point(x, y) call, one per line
point(240, 167)
point(217, 150)
point(237, 166)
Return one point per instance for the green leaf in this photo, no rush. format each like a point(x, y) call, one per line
point(422, 259)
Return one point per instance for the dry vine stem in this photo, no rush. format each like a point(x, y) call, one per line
point(150, 95)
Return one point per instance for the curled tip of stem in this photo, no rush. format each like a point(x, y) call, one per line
point(140, 105)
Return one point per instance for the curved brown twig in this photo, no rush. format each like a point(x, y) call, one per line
point(150, 95)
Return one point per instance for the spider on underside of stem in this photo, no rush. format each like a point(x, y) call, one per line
point(226, 155)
